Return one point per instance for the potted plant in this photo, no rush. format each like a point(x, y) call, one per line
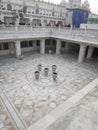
point(46, 71)
point(54, 76)
point(54, 68)
point(37, 75)
point(39, 67)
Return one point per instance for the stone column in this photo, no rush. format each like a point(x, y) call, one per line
point(58, 47)
point(17, 24)
point(35, 45)
point(82, 53)
point(18, 49)
point(90, 52)
point(67, 47)
point(48, 21)
point(42, 46)
point(2, 17)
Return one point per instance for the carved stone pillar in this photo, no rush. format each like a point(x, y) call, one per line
point(58, 47)
point(82, 53)
point(90, 52)
point(42, 46)
point(18, 48)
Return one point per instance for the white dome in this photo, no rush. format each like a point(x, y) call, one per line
point(86, 4)
point(63, 2)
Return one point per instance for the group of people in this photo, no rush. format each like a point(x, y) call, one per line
point(67, 25)
point(40, 24)
point(56, 25)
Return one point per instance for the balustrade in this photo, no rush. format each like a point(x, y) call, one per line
point(59, 32)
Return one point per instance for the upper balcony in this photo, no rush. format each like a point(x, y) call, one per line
point(23, 32)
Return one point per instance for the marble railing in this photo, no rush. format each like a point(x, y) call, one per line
point(74, 34)
point(9, 28)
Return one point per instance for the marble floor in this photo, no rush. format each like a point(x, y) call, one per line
point(5, 122)
point(84, 116)
point(29, 99)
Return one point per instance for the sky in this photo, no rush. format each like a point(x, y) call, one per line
point(93, 4)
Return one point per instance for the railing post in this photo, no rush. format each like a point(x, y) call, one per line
point(70, 30)
point(16, 28)
point(31, 25)
point(16, 25)
point(85, 31)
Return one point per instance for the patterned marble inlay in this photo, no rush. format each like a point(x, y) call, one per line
point(5, 122)
point(85, 115)
point(34, 99)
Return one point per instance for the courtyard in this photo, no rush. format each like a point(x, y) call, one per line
point(30, 99)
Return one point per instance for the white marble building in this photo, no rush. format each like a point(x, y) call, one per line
point(77, 4)
point(68, 103)
point(36, 11)
point(74, 3)
point(32, 11)
point(18, 33)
